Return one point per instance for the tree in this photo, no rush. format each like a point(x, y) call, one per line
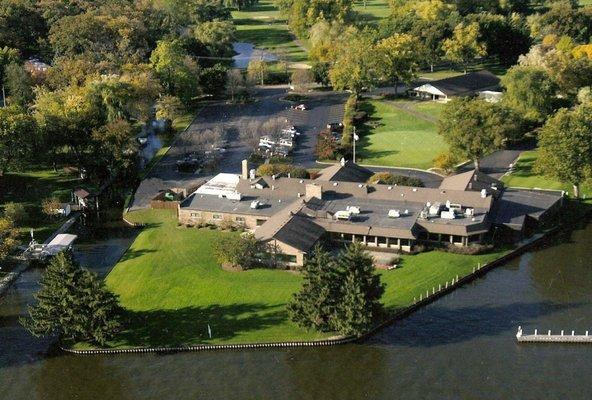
point(398, 58)
point(67, 118)
point(355, 61)
point(360, 289)
point(473, 127)
point(177, 71)
point(565, 146)
point(464, 45)
point(19, 84)
point(530, 91)
point(339, 294)
point(217, 36)
point(257, 71)
point(8, 56)
point(302, 14)
point(74, 304)
point(169, 108)
point(22, 26)
point(16, 212)
point(50, 205)
point(235, 83)
point(504, 37)
point(242, 252)
point(302, 79)
point(213, 79)
point(314, 305)
point(115, 148)
point(8, 238)
point(18, 134)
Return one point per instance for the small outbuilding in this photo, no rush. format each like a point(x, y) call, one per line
point(472, 84)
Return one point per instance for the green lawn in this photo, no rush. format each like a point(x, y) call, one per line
point(524, 176)
point(374, 10)
point(397, 138)
point(263, 26)
point(172, 288)
point(29, 188)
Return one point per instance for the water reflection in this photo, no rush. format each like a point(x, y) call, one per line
point(460, 347)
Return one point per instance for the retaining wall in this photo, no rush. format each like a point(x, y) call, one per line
point(423, 301)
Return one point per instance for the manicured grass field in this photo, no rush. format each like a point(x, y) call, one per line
point(263, 26)
point(397, 138)
point(173, 288)
point(524, 176)
point(374, 10)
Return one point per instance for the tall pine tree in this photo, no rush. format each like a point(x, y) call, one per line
point(338, 294)
point(73, 304)
point(314, 305)
point(361, 291)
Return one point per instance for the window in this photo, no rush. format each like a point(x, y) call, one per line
point(287, 258)
point(260, 222)
point(216, 216)
point(195, 215)
point(240, 219)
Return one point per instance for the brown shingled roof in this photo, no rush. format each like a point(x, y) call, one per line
point(349, 172)
point(470, 180)
point(290, 228)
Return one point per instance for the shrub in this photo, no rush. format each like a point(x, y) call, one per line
point(326, 147)
point(446, 161)
point(284, 169)
point(50, 205)
point(387, 178)
point(349, 113)
point(15, 212)
point(472, 249)
point(239, 252)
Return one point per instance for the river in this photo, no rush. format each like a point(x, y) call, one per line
point(460, 347)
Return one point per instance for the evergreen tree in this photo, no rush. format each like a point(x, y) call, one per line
point(315, 304)
point(73, 304)
point(360, 292)
point(341, 295)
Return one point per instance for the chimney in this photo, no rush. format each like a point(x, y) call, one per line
point(245, 169)
point(313, 190)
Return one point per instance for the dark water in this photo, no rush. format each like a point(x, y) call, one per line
point(461, 347)
point(247, 52)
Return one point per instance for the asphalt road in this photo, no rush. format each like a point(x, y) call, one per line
point(323, 108)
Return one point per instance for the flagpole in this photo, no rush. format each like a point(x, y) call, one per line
point(354, 137)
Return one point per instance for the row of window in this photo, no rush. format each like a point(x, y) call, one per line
point(217, 217)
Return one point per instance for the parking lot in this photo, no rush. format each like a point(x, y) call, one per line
point(323, 108)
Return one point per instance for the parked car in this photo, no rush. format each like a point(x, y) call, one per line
point(301, 107)
point(335, 127)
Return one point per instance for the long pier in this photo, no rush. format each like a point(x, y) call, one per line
point(551, 338)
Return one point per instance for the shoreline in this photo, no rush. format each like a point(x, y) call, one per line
point(457, 282)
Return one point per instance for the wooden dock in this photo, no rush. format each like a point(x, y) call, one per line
point(551, 338)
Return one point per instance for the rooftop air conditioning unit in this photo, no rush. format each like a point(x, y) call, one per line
point(255, 204)
point(434, 209)
point(234, 196)
point(483, 193)
point(394, 214)
point(447, 215)
point(343, 215)
point(469, 212)
point(353, 209)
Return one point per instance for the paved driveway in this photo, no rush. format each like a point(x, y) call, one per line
point(324, 107)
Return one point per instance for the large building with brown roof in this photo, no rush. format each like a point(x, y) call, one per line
point(293, 214)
